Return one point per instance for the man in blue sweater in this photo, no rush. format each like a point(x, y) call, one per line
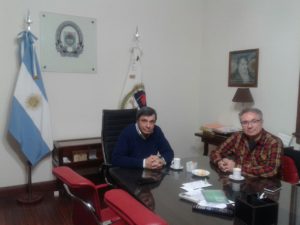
point(143, 144)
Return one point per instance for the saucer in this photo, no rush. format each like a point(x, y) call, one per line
point(200, 172)
point(180, 168)
point(232, 178)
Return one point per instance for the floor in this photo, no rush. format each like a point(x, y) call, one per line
point(53, 209)
point(50, 210)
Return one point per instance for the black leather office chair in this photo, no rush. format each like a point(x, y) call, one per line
point(113, 122)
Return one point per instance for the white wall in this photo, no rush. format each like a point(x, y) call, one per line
point(171, 41)
point(186, 46)
point(273, 26)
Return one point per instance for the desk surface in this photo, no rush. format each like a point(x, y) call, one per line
point(162, 197)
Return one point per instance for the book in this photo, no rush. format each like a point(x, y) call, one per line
point(222, 212)
point(215, 196)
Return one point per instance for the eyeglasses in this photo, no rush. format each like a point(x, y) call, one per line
point(252, 122)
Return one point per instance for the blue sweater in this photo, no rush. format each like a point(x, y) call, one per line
point(131, 149)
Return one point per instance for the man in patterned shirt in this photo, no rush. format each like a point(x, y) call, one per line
point(256, 151)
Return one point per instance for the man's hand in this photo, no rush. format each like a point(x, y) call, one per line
point(154, 162)
point(226, 165)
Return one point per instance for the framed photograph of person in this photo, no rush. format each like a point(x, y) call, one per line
point(243, 68)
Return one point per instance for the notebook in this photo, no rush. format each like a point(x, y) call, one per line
point(215, 196)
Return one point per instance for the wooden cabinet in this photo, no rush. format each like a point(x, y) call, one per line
point(83, 155)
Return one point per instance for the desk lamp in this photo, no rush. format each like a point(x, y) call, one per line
point(243, 95)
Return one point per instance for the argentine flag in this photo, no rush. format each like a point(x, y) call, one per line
point(30, 119)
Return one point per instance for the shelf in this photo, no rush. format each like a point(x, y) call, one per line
point(83, 155)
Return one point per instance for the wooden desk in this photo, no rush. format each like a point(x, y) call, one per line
point(162, 196)
point(213, 139)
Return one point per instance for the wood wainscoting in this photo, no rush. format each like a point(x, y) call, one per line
point(42, 187)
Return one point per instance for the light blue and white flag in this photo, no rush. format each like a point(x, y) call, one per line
point(30, 118)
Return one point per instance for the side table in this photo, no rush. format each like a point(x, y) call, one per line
point(211, 138)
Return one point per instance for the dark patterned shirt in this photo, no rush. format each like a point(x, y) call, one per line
point(262, 161)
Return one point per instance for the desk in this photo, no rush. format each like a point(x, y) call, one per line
point(213, 139)
point(162, 197)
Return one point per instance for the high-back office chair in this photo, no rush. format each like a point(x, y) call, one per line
point(120, 209)
point(113, 122)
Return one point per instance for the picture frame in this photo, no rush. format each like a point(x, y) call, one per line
point(79, 156)
point(243, 68)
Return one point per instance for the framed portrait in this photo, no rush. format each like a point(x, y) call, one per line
point(243, 68)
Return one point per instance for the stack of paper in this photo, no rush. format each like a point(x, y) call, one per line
point(195, 185)
point(193, 190)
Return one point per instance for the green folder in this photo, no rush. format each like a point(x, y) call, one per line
point(215, 196)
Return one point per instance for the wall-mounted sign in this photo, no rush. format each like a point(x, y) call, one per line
point(68, 43)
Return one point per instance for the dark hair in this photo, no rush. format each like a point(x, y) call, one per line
point(146, 111)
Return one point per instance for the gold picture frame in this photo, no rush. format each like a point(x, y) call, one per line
point(79, 156)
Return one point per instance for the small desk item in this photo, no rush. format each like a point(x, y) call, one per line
point(272, 189)
point(252, 210)
point(233, 178)
point(179, 168)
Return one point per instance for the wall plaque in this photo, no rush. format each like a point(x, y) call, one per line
point(68, 43)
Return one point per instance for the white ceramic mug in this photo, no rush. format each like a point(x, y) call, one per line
point(176, 163)
point(236, 174)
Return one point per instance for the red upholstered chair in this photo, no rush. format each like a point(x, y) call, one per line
point(289, 170)
point(121, 208)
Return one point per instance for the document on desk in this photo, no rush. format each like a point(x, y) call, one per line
point(192, 196)
point(197, 197)
point(195, 185)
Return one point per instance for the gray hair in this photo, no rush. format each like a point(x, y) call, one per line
point(252, 110)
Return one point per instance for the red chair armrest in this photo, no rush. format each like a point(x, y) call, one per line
point(289, 170)
point(129, 209)
point(100, 186)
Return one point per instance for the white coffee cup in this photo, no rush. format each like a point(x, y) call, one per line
point(236, 174)
point(176, 163)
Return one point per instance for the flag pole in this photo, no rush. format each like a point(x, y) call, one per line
point(133, 92)
point(29, 197)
